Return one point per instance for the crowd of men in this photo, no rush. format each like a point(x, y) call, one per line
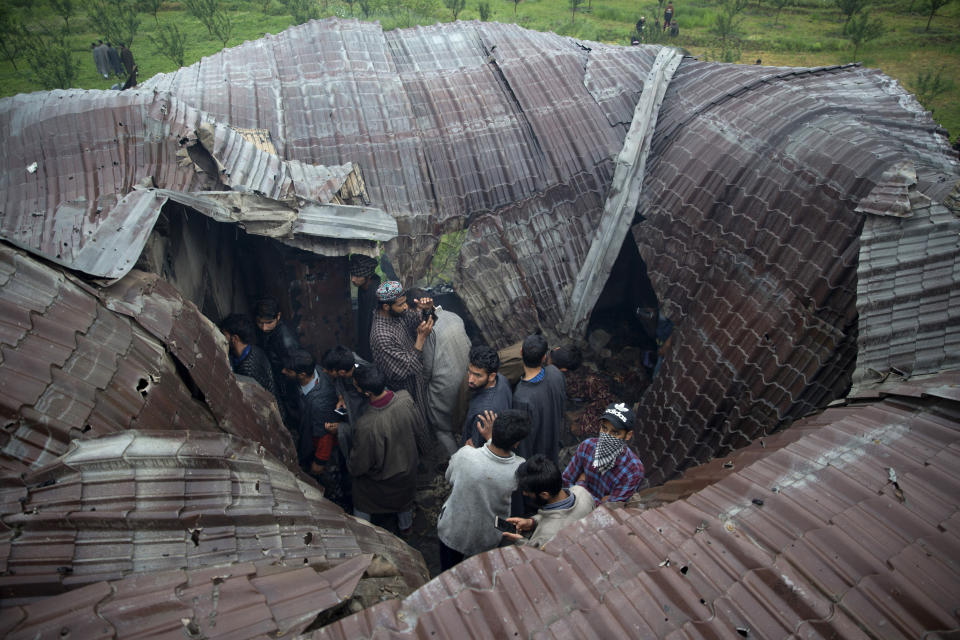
point(364, 418)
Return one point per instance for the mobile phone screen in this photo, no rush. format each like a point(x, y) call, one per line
point(505, 526)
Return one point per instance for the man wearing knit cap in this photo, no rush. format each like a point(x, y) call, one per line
point(364, 277)
point(397, 337)
point(605, 466)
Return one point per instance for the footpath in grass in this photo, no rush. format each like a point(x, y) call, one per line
point(801, 33)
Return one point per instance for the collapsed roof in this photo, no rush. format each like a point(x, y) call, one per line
point(798, 225)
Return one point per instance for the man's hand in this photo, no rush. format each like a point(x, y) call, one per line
point(423, 304)
point(581, 478)
point(422, 332)
point(316, 469)
point(485, 424)
point(512, 537)
point(523, 524)
point(332, 427)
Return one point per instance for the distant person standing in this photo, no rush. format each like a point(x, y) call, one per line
point(116, 67)
point(101, 58)
point(126, 57)
point(667, 16)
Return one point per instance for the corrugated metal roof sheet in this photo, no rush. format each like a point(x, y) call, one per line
point(842, 526)
point(72, 368)
point(138, 502)
point(752, 241)
point(73, 160)
point(239, 601)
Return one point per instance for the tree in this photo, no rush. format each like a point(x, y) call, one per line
point(483, 8)
point(861, 30)
point(928, 86)
point(50, 59)
point(118, 20)
point(302, 10)
point(455, 6)
point(169, 42)
point(779, 5)
point(574, 5)
point(212, 16)
point(726, 26)
point(65, 9)
point(850, 7)
point(151, 7)
point(11, 44)
point(930, 7)
point(368, 7)
point(515, 4)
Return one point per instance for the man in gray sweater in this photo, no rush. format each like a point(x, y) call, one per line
point(483, 480)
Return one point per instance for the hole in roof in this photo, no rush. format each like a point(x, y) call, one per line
point(142, 385)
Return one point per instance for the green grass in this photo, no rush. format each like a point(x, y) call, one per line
point(807, 34)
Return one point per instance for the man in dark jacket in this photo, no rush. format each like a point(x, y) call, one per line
point(126, 57)
point(339, 363)
point(363, 275)
point(491, 392)
point(278, 341)
point(246, 358)
point(541, 392)
point(316, 442)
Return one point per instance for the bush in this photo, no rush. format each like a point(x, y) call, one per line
point(484, 10)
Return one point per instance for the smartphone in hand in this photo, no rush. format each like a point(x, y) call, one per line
point(503, 525)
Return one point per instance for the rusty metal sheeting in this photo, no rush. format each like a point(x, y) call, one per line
point(843, 526)
point(73, 368)
point(200, 348)
point(752, 242)
point(240, 601)
point(448, 123)
point(138, 502)
point(72, 160)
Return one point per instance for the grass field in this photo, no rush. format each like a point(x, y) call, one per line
point(808, 33)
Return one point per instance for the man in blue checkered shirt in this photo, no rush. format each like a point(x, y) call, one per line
point(605, 466)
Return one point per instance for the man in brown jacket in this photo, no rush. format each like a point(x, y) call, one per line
point(383, 459)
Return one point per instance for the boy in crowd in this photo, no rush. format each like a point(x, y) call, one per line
point(605, 465)
point(540, 481)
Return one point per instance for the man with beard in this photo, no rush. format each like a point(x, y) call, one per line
point(363, 275)
point(491, 392)
point(397, 338)
point(605, 465)
point(445, 356)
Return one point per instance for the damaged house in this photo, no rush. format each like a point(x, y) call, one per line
point(798, 226)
